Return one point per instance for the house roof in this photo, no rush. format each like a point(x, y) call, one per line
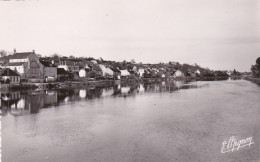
point(96, 67)
point(23, 55)
point(15, 63)
point(61, 71)
point(47, 64)
point(9, 72)
point(115, 70)
point(125, 72)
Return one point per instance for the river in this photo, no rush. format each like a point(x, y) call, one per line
point(164, 122)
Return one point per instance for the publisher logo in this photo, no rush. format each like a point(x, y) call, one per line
point(234, 144)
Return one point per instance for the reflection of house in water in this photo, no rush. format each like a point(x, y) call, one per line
point(125, 90)
point(17, 103)
point(50, 98)
point(107, 92)
point(168, 86)
point(8, 100)
point(75, 95)
point(19, 108)
point(31, 102)
point(82, 93)
point(66, 95)
point(141, 88)
point(117, 89)
point(34, 101)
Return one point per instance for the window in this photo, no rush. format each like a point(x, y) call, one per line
point(34, 69)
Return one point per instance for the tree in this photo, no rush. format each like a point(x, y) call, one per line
point(71, 57)
point(3, 53)
point(256, 68)
point(234, 72)
point(258, 61)
point(39, 55)
point(56, 55)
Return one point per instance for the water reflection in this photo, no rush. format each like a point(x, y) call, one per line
point(20, 103)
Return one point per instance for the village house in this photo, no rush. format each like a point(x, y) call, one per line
point(27, 65)
point(62, 74)
point(125, 74)
point(116, 73)
point(83, 72)
point(106, 72)
point(70, 65)
point(2, 65)
point(141, 72)
point(49, 71)
point(9, 76)
point(95, 71)
point(84, 68)
point(179, 74)
point(20, 67)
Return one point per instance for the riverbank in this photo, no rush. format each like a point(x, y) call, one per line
point(254, 80)
point(98, 83)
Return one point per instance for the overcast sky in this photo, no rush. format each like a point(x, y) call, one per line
point(219, 34)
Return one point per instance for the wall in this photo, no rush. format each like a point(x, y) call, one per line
point(20, 69)
point(18, 60)
point(13, 79)
point(50, 72)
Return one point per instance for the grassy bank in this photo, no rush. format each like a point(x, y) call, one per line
point(254, 80)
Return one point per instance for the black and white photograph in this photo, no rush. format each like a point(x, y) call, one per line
point(130, 80)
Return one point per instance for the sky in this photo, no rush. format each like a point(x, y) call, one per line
point(219, 34)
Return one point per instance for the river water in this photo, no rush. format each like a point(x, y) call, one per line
point(164, 122)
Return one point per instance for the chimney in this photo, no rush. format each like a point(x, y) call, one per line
point(34, 51)
point(14, 50)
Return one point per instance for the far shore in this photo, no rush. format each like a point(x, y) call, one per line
point(97, 83)
point(254, 80)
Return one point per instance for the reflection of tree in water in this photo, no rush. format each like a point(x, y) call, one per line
point(94, 93)
point(62, 94)
point(168, 86)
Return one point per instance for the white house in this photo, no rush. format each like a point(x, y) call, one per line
point(17, 66)
point(179, 74)
point(163, 76)
point(94, 61)
point(197, 72)
point(106, 71)
point(17, 61)
point(141, 72)
point(125, 73)
point(26, 64)
point(82, 73)
point(69, 65)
